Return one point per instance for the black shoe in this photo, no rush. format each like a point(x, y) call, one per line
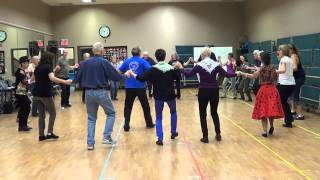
point(271, 130)
point(204, 140)
point(294, 113)
point(24, 129)
point(264, 134)
point(234, 98)
point(299, 117)
point(173, 136)
point(287, 125)
point(159, 142)
point(68, 105)
point(126, 128)
point(115, 99)
point(151, 126)
point(42, 138)
point(242, 98)
point(249, 100)
point(223, 96)
point(52, 136)
point(218, 137)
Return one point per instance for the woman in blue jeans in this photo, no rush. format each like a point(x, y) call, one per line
point(299, 77)
point(162, 76)
point(231, 66)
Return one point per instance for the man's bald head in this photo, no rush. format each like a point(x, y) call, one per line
point(145, 55)
point(35, 60)
point(65, 53)
point(86, 56)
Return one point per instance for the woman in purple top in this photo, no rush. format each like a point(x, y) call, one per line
point(208, 90)
point(231, 65)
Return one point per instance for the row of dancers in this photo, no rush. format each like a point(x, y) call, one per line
point(94, 75)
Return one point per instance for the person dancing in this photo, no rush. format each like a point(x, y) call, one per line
point(299, 77)
point(286, 84)
point(136, 88)
point(208, 90)
point(162, 77)
point(231, 66)
point(43, 94)
point(21, 86)
point(268, 104)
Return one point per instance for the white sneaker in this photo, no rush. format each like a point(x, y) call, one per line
point(108, 141)
point(62, 108)
point(90, 147)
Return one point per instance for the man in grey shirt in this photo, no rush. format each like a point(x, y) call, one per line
point(62, 71)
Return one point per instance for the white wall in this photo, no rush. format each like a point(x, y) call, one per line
point(151, 25)
point(273, 19)
point(28, 13)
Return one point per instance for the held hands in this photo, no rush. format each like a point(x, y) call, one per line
point(239, 73)
point(130, 73)
point(76, 66)
point(191, 60)
point(68, 82)
point(178, 66)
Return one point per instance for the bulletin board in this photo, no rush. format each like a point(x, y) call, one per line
point(120, 51)
point(2, 63)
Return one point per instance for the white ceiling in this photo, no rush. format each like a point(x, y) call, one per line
point(79, 2)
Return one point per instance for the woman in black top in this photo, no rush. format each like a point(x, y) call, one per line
point(22, 95)
point(43, 94)
point(299, 77)
point(173, 61)
point(162, 77)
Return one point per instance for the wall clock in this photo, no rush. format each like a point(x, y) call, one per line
point(104, 31)
point(3, 36)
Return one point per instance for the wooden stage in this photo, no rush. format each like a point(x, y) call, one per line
point(242, 153)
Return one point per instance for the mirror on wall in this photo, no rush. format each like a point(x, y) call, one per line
point(16, 54)
point(17, 45)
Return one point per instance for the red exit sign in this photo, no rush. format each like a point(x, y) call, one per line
point(64, 42)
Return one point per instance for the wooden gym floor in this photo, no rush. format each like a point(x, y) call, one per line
point(242, 153)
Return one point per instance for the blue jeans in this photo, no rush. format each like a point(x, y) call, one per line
point(94, 99)
point(233, 86)
point(159, 108)
point(296, 93)
point(114, 89)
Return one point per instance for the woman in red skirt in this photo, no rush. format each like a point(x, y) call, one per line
point(268, 104)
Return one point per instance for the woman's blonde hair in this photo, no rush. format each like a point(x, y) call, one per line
point(206, 52)
point(285, 48)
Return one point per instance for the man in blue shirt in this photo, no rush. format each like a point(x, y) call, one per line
point(135, 88)
point(93, 76)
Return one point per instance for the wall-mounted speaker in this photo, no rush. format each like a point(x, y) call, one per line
point(33, 48)
point(53, 46)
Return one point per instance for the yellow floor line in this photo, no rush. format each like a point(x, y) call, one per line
point(305, 129)
point(290, 165)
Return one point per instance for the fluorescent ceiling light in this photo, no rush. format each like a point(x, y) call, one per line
point(87, 1)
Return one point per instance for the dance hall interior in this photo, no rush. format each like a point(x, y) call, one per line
point(159, 90)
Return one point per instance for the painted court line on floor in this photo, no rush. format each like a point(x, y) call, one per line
point(200, 174)
point(286, 162)
point(107, 161)
point(305, 129)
